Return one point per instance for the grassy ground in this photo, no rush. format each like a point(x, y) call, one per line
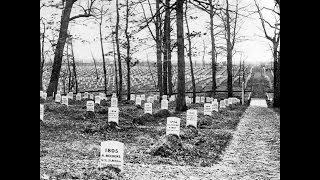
point(69, 133)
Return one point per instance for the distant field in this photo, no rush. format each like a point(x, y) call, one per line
point(144, 79)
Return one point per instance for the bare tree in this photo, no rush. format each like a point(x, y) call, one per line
point(63, 32)
point(181, 100)
point(275, 40)
point(190, 55)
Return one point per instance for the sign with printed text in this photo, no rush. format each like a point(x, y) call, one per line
point(90, 106)
point(64, 100)
point(207, 109)
point(164, 104)
point(192, 117)
point(113, 114)
point(111, 154)
point(173, 126)
point(41, 112)
point(148, 108)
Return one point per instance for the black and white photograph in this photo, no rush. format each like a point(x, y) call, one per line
point(160, 89)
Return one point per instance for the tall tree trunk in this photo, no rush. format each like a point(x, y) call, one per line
point(229, 53)
point(115, 66)
point(69, 70)
point(103, 58)
point(56, 67)
point(128, 50)
point(276, 81)
point(74, 68)
point(158, 44)
point(213, 52)
point(118, 53)
point(181, 100)
point(189, 55)
point(167, 30)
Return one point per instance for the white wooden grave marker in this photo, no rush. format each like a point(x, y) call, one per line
point(64, 100)
point(148, 108)
point(215, 106)
point(70, 95)
point(111, 154)
point(78, 97)
point(192, 117)
point(202, 99)
point(86, 95)
point(222, 104)
point(90, 106)
point(173, 126)
point(91, 96)
point(207, 109)
point(113, 114)
point(114, 102)
point(143, 97)
point(132, 97)
point(164, 104)
point(138, 100)
point(197, 99)
point(97, 100)
point(58, 98)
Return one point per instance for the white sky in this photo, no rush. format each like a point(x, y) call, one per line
point(256, 49)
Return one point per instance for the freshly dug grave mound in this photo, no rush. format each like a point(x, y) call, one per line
point(204, 121)
point(102, 110)
point(90, 115)
point(163, 113)
point(142, 120)
point(189, 132)
point(126, 102)
point(167, 146)
point(126, 115)
point(104, 102)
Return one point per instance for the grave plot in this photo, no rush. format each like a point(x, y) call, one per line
point(71, 138)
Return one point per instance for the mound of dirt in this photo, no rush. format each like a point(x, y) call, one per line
point(142, 120)
point(163, 113)
point(166, 146)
